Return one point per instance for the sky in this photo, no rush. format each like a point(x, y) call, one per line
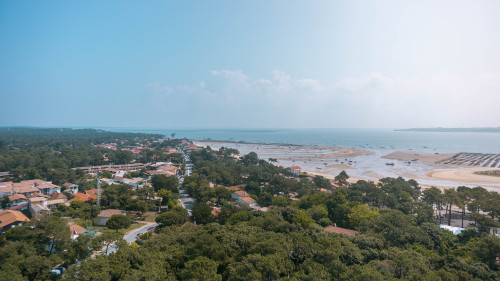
point(250, 64)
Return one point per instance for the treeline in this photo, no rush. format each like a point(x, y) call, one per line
point(60, 137)
point(50, 154)
point(280, 245)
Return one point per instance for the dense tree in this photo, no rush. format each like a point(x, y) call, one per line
point(176, 216)
point(117, 222)
point(165, 182)
point(201, 268)
point(342, 178)
point(202, 213)
point(322, 182)
point(250, 159)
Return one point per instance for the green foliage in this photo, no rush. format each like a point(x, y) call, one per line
point(116, 196)
point(117, 222)
point(342, 178)
point(280, 201)
point(165, 182)
point(202, 213)
point(201, 268)
point(360, 213)
point(50, 154)
point(176, 216)
point(322, 182)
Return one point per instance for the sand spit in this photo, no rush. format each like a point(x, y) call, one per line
point(465, 175)
point(432, 159)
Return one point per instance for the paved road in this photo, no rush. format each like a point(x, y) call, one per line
point(186, 201)
point(132, 235)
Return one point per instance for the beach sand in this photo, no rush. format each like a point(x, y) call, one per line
point(465, 175)
point(432, 159)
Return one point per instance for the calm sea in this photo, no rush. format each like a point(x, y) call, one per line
point(376, 139)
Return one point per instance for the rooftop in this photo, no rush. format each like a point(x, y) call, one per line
point(110, 212)
point(10, 216)
point(340, 230)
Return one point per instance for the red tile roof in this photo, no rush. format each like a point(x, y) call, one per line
point(76, 229)
point(248, 200)
point(9, 216)
point(241, 193)
point(340, 230)
point(109, 212)
point(17, 196)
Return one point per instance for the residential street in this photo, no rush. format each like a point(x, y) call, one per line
point(132, 236)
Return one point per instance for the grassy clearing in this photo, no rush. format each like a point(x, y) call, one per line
point(133, 226)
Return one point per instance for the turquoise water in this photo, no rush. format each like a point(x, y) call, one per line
point(372, 139)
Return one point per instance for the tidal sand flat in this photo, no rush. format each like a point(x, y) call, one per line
point(430, 169)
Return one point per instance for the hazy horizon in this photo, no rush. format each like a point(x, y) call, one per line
point(250, 64)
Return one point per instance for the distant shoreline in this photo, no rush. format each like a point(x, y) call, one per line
point(249, 142)
point(453, 130)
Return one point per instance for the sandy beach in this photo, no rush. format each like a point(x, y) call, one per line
point(429, 169)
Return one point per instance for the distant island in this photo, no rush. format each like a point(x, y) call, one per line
point(455, 130)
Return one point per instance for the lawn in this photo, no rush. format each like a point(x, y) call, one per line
point(133, 226)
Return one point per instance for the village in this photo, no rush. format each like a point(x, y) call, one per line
point(143, 188)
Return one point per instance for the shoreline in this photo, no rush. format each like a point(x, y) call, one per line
point(429, 169)
point(248, 142)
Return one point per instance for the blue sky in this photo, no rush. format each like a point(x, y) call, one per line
point(250, 64)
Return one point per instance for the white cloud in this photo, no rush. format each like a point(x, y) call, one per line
point(231, 98)
point(158, 89)
point(359, 84)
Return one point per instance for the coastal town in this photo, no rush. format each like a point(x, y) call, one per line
point(108, 208)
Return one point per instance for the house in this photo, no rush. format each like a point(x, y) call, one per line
point(46, 187)
point(295, 170)
point(107, 181)
point(135, 182)
point(327, 191)
point(215, 211)
point(70, 187)
point(54, 204)
point(36, 194)
point(57, 195)
point(454, 229)
point(105, 215)
point(9, 188)
point(76, 230)
point(10, 219)
point(20, 207)
point(243, 198)
point(84, 197)
point(4, 175)
point(38, 205)
point(17, 199)
point(28, 187)
point(340, 230)
point(92, 191)
point(167, 170)
point(237, 187)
